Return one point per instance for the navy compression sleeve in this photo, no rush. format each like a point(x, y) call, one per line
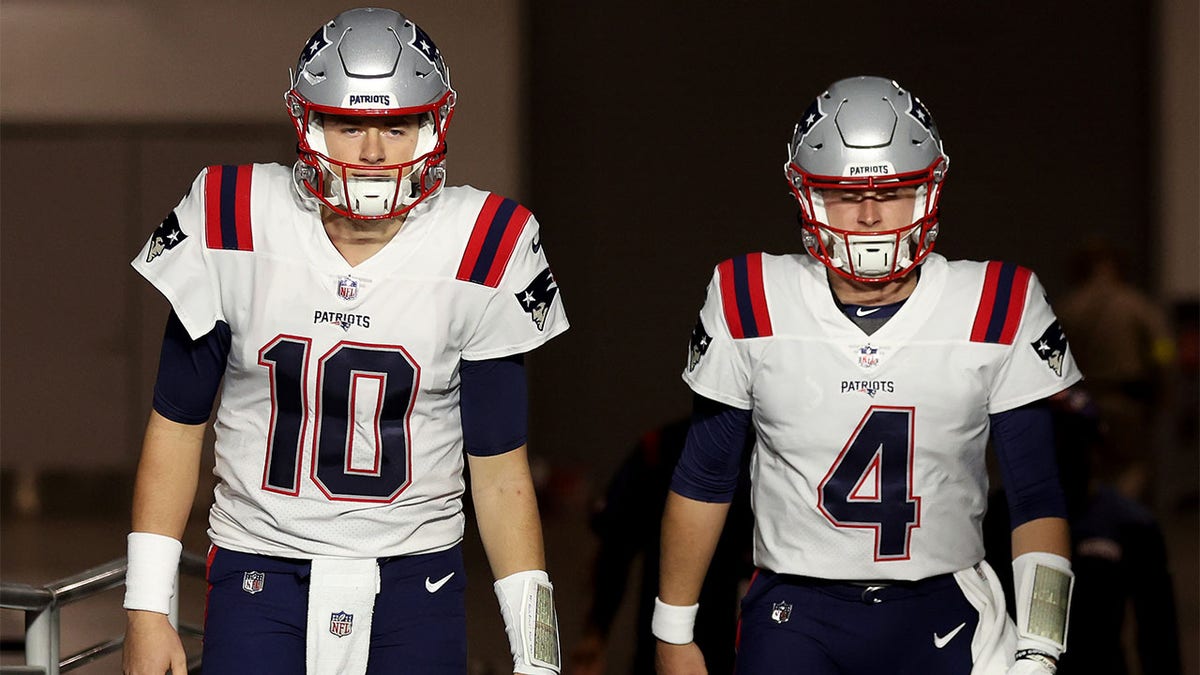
point(189, 372)
point(708, 469)
point(494, 405)
point(1024, 443)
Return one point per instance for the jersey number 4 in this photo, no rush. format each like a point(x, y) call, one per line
point(870, 483)
point(361, 441)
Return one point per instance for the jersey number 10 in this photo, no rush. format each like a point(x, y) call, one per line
point(344, 374)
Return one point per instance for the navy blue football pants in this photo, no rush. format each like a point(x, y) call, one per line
point(817, 627)
point(413, 629)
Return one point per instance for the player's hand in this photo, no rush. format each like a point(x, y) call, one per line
point(679, 659)
point(152, 647)
point(1028, 667)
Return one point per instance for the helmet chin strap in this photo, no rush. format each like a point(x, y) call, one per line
point(370, 196)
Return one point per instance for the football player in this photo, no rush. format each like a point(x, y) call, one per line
point(365, 325)
point(872, 372)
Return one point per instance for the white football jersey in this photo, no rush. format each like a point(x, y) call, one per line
point(338, 430)
point(870, 455)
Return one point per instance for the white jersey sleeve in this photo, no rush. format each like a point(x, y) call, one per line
point(720, 360)
point(1041, 363)
point(175, 260)
point(525, 309)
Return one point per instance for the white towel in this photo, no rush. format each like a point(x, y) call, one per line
point(341, 600)
point(996, 635)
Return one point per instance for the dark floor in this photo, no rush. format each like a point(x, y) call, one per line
point(61, 542)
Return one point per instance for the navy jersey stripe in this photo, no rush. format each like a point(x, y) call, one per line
point(1004, 287)
point(741, 287)
point(229, 181)
point(487, 254)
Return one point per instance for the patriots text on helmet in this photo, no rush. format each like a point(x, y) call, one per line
point(384, 100)
point(869, 170)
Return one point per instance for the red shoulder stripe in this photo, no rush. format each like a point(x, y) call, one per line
point(1001, 303)
point(758, 294)
point(729, 302)
point(493, 238)
point(743, 297)
point(227, 208)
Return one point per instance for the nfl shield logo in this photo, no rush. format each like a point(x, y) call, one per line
point(781, 611)
point(868, 356)
point(347, 288)
point(252, 582)
point(341, 623)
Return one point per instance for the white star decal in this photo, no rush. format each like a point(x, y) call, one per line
point(528, 299)
point(173, 236)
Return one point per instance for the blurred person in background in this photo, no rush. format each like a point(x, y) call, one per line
point(627, 522)
point(1123, 344)
point(1118, 552)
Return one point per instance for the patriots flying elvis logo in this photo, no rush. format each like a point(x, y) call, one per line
point(424, 45)
point(314, 46)
point(538, 296)
point(166, 237)
point(1051, 347)
point(917, 110)
point(808, 121)
point(699, 345)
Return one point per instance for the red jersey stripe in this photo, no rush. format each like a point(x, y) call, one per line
point(758, 294)
point(212, 207)
point(729, 302)
point(512, 231)
point(983, 315)
point(478, 235)
point(245, 238)
point(1016, 305)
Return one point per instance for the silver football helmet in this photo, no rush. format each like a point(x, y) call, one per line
point(370, 62)
point(867, 133)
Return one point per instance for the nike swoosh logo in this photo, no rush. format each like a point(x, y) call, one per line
point(435, 586)
point(537, 244)
point(940, 641)
point(863, 311)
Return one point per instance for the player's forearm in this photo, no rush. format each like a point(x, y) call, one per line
point(690, 533)
point(1047, 535)
point(506, 511)
point(167, 475)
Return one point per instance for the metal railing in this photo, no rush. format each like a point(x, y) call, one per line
point(43, 607)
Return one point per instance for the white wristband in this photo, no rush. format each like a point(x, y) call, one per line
point(1043, 583)
point(673, 623)
point(153, 563)
point(527, 604)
